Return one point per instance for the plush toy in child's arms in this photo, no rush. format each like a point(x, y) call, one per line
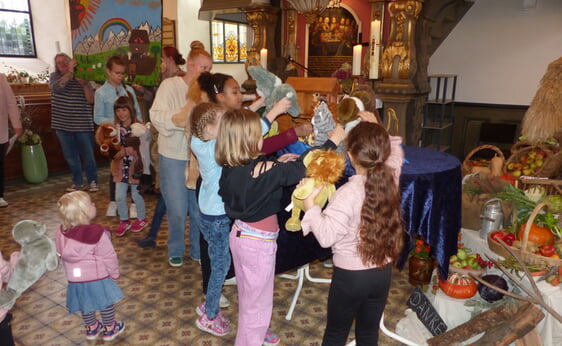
point(323, 168)
point(271, 87)
point(38, 254)
point(107, 137)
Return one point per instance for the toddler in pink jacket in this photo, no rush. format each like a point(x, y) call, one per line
point(90, 264)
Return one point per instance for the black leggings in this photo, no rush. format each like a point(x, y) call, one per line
point(359, 295)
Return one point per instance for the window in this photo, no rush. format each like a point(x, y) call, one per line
point(228, 42)
point(16, 29)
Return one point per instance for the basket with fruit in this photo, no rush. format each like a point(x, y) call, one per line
point(492, 166)
point(529, 161)
point(464, 263)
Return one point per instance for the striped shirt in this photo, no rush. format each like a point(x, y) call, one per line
point(69, 109)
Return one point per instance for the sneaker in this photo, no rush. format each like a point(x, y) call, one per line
point(124, 226)
point(200, 310)
point(175, 261)
point(73, 188)
point(218, 326)
point(93, 186)
point(146, 243)
point(271, 339)
point(230, 282)
point(138, 225)
point(328, 263)
point(111, 209)
point(3, 203)
point(118, 328)
point(133, 211)
point(92, 332)
point(223, 302)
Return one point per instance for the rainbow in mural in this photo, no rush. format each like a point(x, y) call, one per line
point(135, 35)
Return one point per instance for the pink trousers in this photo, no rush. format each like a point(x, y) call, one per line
point(254, 264)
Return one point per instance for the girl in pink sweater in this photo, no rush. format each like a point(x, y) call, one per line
point(362, 225)
point(90, 264)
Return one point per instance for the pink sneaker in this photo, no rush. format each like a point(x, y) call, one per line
point(138, 225)
point(217, 327)
point(200, 310)
point(123, 228)
point(271, 339)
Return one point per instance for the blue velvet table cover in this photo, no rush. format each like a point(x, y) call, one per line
point(430, 184)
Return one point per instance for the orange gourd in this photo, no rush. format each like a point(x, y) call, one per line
point(538, 235)
point(458, 287)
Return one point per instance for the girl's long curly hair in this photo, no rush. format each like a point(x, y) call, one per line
point(381, 230)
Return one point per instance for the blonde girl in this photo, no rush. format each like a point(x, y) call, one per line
point(90, 264)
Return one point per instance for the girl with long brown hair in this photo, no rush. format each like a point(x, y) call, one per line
point(363, 227)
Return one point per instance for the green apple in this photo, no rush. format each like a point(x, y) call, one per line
point(457, 265)
point(461, 254)
point(453, 259)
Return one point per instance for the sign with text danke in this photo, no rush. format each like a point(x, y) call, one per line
point(426, 312)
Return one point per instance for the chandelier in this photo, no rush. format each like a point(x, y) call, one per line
point(311, 8)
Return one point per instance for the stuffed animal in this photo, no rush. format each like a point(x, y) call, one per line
point(38, 254)
point(323, 122)
point(270, 86)
point(347, 112)
point(107, 137)
point(323, 168)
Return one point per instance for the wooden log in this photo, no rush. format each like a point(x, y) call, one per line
point(502, 325)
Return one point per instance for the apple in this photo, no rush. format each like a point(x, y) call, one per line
point(527, 171)
point(457, 265)
point(461, 254)
point(453, 259)
point(539, 163)
point(511, 166)
point(516, 173)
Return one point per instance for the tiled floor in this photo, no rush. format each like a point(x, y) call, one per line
point(160, 301)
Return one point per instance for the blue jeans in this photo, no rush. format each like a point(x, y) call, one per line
point(121, 199)
point(159, 212)
point(194, 216)
point(78, 149)
point(180, 201)
point(215, 230)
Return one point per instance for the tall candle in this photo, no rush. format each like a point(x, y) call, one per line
point(375, 49)
point(356, 71)
point(263, 58)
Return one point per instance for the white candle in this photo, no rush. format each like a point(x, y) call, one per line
point(375, 49)
point(263, 58)
point(356, 71)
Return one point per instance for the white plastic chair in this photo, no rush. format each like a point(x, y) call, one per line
point(394, 335)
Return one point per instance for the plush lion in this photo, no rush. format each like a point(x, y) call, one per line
point(38, 254)
point(324, 168)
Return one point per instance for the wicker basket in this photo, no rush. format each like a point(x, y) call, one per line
point(526, 144)
point(467, 168)
point(547, 170)
point(527, 257)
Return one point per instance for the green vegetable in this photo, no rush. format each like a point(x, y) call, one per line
point(554, 203)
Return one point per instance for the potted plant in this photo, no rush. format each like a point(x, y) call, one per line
point(34, 162)
point(420, 264)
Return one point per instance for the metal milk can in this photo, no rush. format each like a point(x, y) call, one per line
point(491, 218)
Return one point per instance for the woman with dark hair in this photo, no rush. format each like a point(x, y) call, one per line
point(71, 118)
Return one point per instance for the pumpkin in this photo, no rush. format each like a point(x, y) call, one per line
point(496, 166)
point(458, 286)
point(538, 235)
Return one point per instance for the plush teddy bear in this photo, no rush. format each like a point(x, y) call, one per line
point(270, 86)
point(38, 254)
point(324, 168)
point(107, 137)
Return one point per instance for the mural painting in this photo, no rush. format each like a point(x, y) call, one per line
point(129, 28)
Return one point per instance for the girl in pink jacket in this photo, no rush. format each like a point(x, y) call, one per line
point(90, 264)
point(362, 225)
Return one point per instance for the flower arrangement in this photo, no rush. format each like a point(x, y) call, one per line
point(14, 75)
point(421, 249)
point(28, 137)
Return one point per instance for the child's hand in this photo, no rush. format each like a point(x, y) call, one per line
point(288, 157)
point(120, 154)
point(309, 201)
point(337, 134)
point(368, 117)
point(278, 108)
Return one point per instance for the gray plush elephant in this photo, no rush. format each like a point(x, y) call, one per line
point(38, 254)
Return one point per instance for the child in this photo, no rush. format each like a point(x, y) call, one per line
point(90, 264)
point(251, 188)
point(123, 169)
point(104, 98)
point(362, 225)
point(213, 221)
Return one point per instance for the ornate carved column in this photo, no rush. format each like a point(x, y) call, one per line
point(398, 88)
point(262, 20)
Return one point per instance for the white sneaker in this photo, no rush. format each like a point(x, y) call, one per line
point(230, 282)
point(111, 209)
point(224, 302)
point(133, 211)
point(3, 203)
